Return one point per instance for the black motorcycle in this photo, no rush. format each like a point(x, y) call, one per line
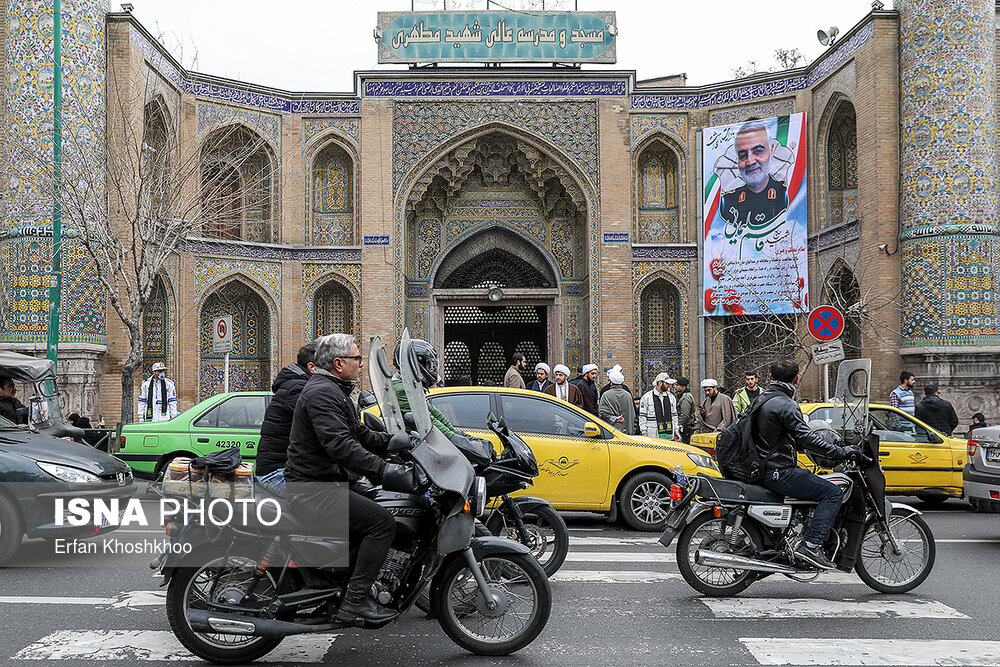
point(526, 519)
point(234, 592)
point(730, 534)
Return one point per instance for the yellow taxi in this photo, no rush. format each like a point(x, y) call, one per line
point(917, 459)
point(584, 463)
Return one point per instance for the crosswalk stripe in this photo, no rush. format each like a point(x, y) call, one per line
point(819, 608)
point(154, 645)
point(612, 541)
point(122, 600)
point(914, 652)
point(620, 557)
point(613, 576)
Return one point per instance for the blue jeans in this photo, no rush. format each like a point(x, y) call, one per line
point(274, 482)
point(802, 484)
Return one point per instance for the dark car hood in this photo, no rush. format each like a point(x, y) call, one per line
point(45, 448)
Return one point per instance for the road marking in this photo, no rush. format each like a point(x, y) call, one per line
point(620, 557)
point(122, 600)
point(612, 541)
point(818, 608)
point(154, 645)
point(613, 576)
point(914, 652)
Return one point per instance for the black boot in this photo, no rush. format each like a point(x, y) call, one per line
point(367, 610)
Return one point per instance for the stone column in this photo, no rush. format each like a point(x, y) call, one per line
point(26, 223)
point(948, 200)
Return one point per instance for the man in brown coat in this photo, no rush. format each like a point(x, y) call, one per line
point(513, 377)
point(563, 388)
point(717, 411)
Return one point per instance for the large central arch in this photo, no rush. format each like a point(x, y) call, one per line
point(497, 210)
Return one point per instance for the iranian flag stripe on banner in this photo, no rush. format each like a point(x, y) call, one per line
point(798, 172)
point(713, 194)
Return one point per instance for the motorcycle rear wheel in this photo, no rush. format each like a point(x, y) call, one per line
point(887, 572)
point(548, 536)
point(705, 532)
point(525, 603)
point(188, 589)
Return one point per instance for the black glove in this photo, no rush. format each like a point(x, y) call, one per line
point(851, 454)
point(401, 477)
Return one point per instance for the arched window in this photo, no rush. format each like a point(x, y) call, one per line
point(658, 196)
point(842, 165)
point(333, 197)
point(236, 186)
point(155, 329)
point(842, 291)
point(333, 310)
point(660, 343)
point(156, 161)
point(250, 360)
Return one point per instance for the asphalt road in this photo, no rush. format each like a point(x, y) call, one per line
point(618, 600)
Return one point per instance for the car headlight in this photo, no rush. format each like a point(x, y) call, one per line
point(67, 474)
point(702, 461)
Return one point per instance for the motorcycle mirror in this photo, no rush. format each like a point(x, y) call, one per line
point(21, 415)
point(373, 422)
point(490, 417)
point(399, 443)
point(503, 424)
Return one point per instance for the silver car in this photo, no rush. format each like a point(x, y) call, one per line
point(981, 476)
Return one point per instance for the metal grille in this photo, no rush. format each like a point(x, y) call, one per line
point(495, 268)
point(494, 314)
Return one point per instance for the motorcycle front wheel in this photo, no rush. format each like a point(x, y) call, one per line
point(706, 532)
point(220, 579)
point(521, 591)
point(881, 568)
point(548, 536)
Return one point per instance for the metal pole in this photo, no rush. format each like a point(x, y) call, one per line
point(826, 383)
point(55, 281)
point(225, 375)
point(702, 353)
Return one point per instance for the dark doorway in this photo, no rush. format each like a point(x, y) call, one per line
point(480, 340)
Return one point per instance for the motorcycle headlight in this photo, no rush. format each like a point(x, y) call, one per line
point(67, 474)
point(477, 496)
point(702, 461)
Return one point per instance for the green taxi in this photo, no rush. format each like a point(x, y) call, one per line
point(219, 422)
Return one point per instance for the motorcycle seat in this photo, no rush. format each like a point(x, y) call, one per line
point(288, 524)
point(713, 488)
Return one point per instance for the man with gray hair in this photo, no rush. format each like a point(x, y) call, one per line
point(762, 198)
point(329, 444)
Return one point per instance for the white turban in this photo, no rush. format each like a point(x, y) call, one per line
point(589, 367)
point(561, 368)
point(544, 366)
point(616, 376)
point(709, 382)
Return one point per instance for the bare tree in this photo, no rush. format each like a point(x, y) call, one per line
point(131, 205)
point(783, 59)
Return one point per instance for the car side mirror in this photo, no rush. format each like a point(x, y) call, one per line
point(591, 430)
point(399, 443)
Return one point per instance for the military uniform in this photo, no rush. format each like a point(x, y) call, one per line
point(743, 206)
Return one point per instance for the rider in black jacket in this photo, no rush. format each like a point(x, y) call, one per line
point(780, 430)
point(272, 451)
point(329, 444)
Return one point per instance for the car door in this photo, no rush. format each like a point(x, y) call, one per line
point(913, 455)
point(467, 411)
point(235, 422)
point(573, 468)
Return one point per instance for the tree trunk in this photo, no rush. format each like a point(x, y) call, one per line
point(132, 362)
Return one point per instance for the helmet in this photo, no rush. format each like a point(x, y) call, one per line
point(427, 360)
point(826, 433)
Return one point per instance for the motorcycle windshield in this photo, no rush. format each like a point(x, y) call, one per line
point(852, 393)
point(380, 376)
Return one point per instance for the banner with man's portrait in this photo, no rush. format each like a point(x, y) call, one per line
point(755, 225)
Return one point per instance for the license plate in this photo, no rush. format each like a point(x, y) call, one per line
point(993, 454)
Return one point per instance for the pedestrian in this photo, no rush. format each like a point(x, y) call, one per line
point(157, 396)
point(541, 381)
point(745, 396)
point(616, 367)
point(936, 412)
point(513, 377)
point(9, 405)
point(902, 396)
point(635, 401)
point(717, 410)
point(658, 411)
point(563, 388)
point(685, 409)
point(588, 388)
point(463, 381)
point(272, 450)
point(978, 421)
point(617, 406)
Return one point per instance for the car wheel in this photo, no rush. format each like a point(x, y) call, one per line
point(644, 501)
point(11, 528)
point(933, 499)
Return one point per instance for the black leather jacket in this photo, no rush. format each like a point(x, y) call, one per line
point(780, 429)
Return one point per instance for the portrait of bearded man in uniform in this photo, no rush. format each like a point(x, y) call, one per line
point(761, 198)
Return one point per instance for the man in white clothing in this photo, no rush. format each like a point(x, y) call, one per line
point(658, 411)
point(157, 396)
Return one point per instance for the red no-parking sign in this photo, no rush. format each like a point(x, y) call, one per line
point(222, 334)
point(826, 323)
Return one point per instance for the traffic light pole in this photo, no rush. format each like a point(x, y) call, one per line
point(55, 284)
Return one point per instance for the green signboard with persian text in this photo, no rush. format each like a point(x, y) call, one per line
point(496, 37)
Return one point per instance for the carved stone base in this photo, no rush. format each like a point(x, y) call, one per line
point(78, 373)
point(968, 377)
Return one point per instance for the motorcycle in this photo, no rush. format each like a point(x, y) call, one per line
point(731, 534)
point(235, 592)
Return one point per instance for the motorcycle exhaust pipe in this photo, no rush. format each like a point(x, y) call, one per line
point(234, 624)
point(717, 559)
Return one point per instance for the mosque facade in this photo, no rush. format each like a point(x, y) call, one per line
point(574, 190)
